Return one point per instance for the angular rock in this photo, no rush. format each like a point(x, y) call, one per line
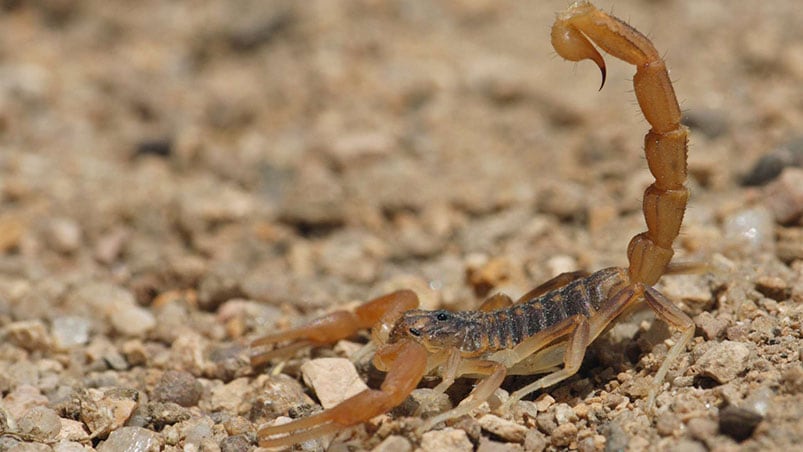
point(446, 440)
point(333, 379)
point(724, 361)
point(132, 439)
point(507, 430)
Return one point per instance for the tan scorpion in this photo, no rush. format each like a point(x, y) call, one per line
point(547, 330)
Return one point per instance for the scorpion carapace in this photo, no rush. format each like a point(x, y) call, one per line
point(548, 329)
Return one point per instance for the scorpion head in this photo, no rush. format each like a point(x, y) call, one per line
point(435, 330)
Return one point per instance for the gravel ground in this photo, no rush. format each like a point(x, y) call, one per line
point(178, 178)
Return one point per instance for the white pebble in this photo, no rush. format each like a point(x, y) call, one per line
point(752, 227)
point(68, 331)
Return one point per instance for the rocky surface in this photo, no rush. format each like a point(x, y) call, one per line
point(178, 178)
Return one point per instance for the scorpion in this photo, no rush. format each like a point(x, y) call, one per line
point(548, 329)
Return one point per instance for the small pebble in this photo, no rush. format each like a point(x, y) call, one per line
point(230, 397)
point(333, 379)
point(236, 443)
point(724, 361)
point(769, 166)
point(784, 196)
point(487, 445)
point(712, 123)
point(544, 401)
point(701, 428)
point(446, 440)
point(773, 287)
point(69, 331)
point(564, 413)
point(687, 445)
point(70, 446)
point(163, 413)
point(179, 387)
point(63, 235)
point(563, 435)
point(792, 379)
point(22, 399)
point(423, 402)
point(667, 424)
point(507, 430)
point(535, 441)
point(546, 422)
point(753, 227)
point(132, 320)
point(712, 327)
point(72, 430)
point(40, 423)
point(30, 335)
point(394, 443)
point(738, 423)
point(105, 412)
point(132, 439)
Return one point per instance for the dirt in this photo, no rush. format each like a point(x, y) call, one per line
point(179, 178)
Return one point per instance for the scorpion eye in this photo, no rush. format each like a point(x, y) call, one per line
point(442, 316)
point(415, 332)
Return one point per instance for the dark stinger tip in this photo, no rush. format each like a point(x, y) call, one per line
point(604, 74)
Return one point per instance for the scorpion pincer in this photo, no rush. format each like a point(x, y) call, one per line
point(547, 330)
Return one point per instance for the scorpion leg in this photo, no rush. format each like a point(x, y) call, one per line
point(337, 325)
point(581, 332)
point(495, 372)
point(671, 314)
point(576, 345)
point(405, 362)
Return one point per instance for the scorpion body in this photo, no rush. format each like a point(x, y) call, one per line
point(548, 329)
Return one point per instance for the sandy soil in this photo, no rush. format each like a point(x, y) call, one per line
point(178, 178)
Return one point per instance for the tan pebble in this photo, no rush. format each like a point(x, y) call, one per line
point(30, 335)
point(39, 423)
point(70, 446)
point(702, 428)
point(229, 397)
point(544, 401)
point(12, 230)
point(487, 445)
point(561, 264)
point(63, 235)
point(581, 410)
point(132, 438)
point(507, 430)
point(333, 379)
point(784, 196)
point(23, 398)
point(103, 414)
point(564, 413)
point(724, 361)
point(394, 443)
point(535, 441)
point(638, 443)
point(446, 440)
point(132, 320)
point(773, 287)
point(711, 326)
point(563, 435)
point(72, 430)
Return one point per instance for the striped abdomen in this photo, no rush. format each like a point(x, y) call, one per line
point(507, 327)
